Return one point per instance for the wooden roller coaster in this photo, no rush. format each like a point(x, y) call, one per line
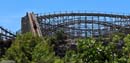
point(76, 25)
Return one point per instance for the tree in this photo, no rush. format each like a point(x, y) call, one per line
point(22, 48)
point(43, 53)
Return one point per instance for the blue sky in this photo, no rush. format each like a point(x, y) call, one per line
point(11, 11)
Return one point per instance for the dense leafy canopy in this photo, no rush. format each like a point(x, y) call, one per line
point(33, 49)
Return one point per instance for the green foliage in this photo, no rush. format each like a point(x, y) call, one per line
point(22, 48)
point(60, 35)
point(91, 51)
point(127, 46)
point(33, 49)
point(43, 53)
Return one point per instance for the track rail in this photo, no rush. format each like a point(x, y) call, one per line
point(5, 34)
point(84, 14)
